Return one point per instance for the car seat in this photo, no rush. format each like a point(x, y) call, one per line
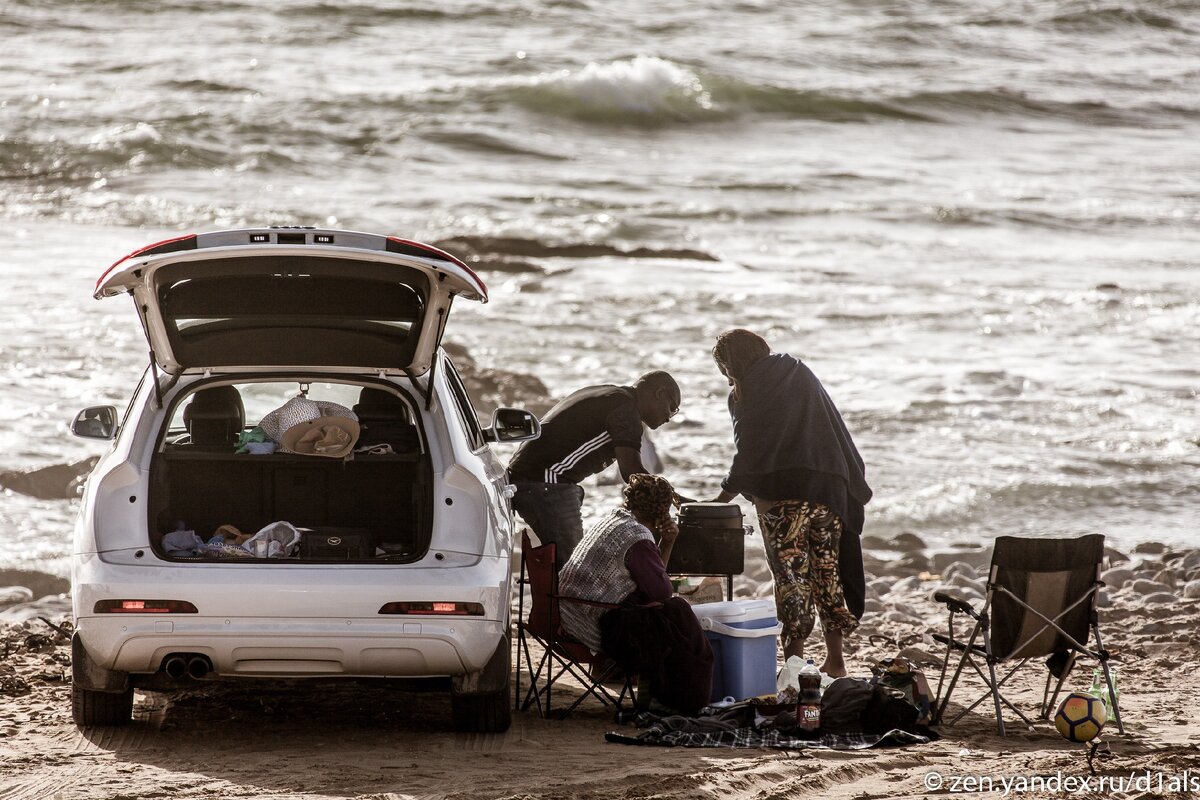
point(215, 416)
point(383, 419)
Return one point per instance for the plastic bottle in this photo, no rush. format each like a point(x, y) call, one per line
point(808, 709)
point(786, 684)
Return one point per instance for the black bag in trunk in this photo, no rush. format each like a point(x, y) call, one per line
point(335, 544)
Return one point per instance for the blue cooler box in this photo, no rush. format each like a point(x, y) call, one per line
point(744, 636)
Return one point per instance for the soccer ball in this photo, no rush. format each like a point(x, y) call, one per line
point(1080, 717)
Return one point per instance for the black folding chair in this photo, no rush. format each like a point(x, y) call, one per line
point(1041, 602)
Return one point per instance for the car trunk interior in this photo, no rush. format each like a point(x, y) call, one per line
point(383, 498)
point(372, 506)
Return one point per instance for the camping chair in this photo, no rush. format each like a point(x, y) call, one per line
point(561, 655)
point(1041, 601)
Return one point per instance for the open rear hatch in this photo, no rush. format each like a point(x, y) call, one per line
point(263, 298)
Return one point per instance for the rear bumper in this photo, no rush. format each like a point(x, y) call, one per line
point(293, 621)
point(295, 648)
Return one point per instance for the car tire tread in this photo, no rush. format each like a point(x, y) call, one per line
point(102, 709)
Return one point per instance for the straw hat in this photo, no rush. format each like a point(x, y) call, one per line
point(312, 427)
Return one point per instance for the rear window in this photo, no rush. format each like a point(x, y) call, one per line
point(292, 311)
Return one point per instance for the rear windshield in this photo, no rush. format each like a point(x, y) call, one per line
point(292, 311)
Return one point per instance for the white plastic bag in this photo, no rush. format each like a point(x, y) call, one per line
point(276, 540)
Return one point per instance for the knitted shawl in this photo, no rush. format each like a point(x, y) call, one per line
point(596, 571)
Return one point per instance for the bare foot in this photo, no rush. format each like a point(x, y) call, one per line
point(834, 670)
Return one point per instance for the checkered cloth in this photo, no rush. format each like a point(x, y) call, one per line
point(663, 733)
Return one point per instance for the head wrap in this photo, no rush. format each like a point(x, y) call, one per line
point(737, 350)
point(650, 498)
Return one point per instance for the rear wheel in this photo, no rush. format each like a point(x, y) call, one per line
point(487, 712)
point(101, 708)
point(482, 713)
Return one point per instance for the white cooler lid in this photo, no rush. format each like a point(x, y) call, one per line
point(734, 611)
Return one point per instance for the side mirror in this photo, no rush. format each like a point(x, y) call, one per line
point(97, 422)
point(514, 425)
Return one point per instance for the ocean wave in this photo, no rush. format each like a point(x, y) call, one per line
point(199, 85)
point(947, 106)
point(112, 150)
point(483, 142)
point(482, 246)
point(643, 90)
point(1076, 19)
point(1114, 17)
point(375, 14)
point(649, 91)
point(961, 502)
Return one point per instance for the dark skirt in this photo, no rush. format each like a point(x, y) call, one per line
point(666, 648)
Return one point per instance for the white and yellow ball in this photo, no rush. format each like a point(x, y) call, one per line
point(1081, 717)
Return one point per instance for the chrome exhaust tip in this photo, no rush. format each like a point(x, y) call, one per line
point(175, 667)
point(197, 667)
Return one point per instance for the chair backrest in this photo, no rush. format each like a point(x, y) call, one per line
point(1049, 576)
point(542, 574)
point(215, 416)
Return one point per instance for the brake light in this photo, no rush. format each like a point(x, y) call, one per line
point(144, 607)
point(185, 242)
point(407, 246)
point(438, 609)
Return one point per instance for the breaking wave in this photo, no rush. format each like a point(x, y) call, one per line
point(652, 92)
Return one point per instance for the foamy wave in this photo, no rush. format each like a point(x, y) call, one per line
point(136, 135)
point(645, 88)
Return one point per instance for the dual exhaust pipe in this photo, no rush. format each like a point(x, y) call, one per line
point(177, 666)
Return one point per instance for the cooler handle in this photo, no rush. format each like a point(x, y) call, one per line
point(740, 633)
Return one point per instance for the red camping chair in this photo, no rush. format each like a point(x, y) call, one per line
point(561, 655)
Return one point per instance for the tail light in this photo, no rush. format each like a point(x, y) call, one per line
point(434, 609)
point(144, 607)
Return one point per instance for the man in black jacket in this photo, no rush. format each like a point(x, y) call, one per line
point(582, 436)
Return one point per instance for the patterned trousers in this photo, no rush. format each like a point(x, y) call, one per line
point(801, 540)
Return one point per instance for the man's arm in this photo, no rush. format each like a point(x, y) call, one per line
point(629, 460)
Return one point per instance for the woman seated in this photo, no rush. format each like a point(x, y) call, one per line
point(652, 634)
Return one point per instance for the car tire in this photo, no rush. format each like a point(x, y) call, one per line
point(107, 709)
point(486, 712)
point(482, 713)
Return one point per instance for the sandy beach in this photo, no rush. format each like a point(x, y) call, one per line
point(271, 740)
point(978, 222)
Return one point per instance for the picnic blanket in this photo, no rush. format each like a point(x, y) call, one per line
point(749, 737)
point(735, 730)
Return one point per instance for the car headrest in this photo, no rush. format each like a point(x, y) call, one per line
point(215, 416)
point(377, 404)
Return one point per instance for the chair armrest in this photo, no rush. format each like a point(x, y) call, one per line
point(955, 603)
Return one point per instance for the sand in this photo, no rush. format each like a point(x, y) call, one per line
point(355, 741)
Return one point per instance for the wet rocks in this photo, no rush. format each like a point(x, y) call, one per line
point(11, 595)
point(1117, 577)
point(55, 482)
point(39, 584)
point(1146, 587)
point(906, 543)
point(978, 557)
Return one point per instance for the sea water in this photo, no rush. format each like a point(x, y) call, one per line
point(976, 221)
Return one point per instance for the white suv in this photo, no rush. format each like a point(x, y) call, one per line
point(401, 564)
